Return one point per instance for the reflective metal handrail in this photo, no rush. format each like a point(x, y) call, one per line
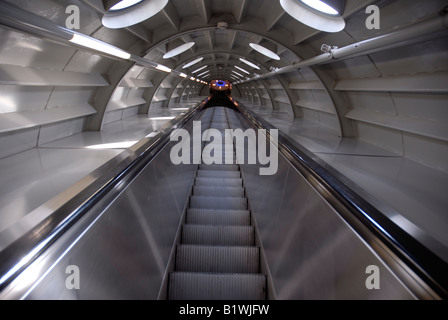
point(422, 271)
point(66, 209)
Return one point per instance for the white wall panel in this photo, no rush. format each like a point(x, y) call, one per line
point(387, 139)
point(18, 142)
point(23, 98)
point(49, 133)
point(429, 152)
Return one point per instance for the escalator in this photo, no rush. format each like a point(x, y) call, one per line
point(141, 227)
point(217, 258)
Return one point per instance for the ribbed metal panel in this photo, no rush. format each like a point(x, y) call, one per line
point(219, 182)
point(200, 286)
point(211, 259)
point(218, 235)
point(217, 257)
point(214, 167)
point(218, 217)
point(218, 174)
point(218, 203)
point(219, 191)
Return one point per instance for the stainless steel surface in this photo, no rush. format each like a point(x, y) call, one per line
point(309, 213)
point(217, 245)
point(30, 246)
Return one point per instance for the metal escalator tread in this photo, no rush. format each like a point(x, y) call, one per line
point(218, 235)
point(218, 217)
point(217, 257)
point(226, 203)
point(217, 167)
point(219, 174)
point(205, 191)
point(213, 259)
point(204, 286)
point(219, 182)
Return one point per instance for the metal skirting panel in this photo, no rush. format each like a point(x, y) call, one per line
point(123, 252)
point(312, 253)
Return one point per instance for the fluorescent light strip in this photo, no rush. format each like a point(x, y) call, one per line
point(163, 68)
point(250, 64)
point(200, 69)
point(239, 74)
point(202, 74)
point(193, 63)
point(92, 43)
point(241, 69)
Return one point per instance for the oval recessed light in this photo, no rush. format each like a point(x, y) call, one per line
point(316, 14)
point(264, 51)
point(192, 63)
point(321, 6)
point(243, 70)
point(124, 4)
point(124, 15)
point(179, 50)
point(250, 64)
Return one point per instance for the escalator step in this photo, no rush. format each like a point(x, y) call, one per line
point(201, 286)
point(219, 191)
point(212, 259)
point(218, 174)
point(218, 235)
point(218, 217)
point(220, 203)
point(219, 182)
point(219, 167)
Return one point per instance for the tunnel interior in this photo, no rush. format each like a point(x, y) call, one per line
point(363, 91)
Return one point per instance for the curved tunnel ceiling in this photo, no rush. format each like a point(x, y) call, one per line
point(310, 81)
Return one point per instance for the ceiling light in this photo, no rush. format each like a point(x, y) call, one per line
point(264, 51)
point(323, 15)
point(250, 63)
point(179, 50)
point(193, 63)
point(239, 74)
point(200, 69)
point(92, 43)
point(183, 75)
point(128, 13)
point(204, 73)
point(163, 68)
point(241, 69)
point(124, 4)
point(320, 6)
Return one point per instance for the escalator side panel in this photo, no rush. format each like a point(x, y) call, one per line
point(124, 252)
point(311, 251)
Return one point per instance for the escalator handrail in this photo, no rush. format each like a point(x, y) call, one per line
point(430, 268)
point(27, 247)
